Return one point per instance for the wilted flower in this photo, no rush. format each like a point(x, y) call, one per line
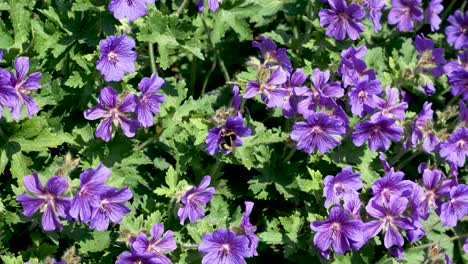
point(131, 9)
point(149, 100)
point(339, 231)
point(48, 200)
point(433, 11)
point(455, 149)
point(114, 113)
point(335, 187)
point(111, 208)
point(227, 137)
point(158, 245)
point(456, 207)
point(403, 12)
point(15, 89)
point(193, 201)
point(390, 219)
point(379, 133)
point(248, 229)
point(320, 131)
point(342, 20)
point(457, 33)
point(223, 246)
point(89, 194)
point(117, 57)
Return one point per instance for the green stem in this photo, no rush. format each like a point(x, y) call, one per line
point(215, 168)
point(151, 55)
point(205, 82)
point(291, 153)
point(406, 161)
point(181, 7)
point(216, 51)
point(398, 156)
point(438, 242)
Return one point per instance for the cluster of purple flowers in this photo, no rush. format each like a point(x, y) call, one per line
point(16, 89)
point(116, 111)
point(94, 202)
point(396, 205)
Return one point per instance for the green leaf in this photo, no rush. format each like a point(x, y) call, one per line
point(19, 166)
point(98, 242)
point(367, 174)
point(20, 19)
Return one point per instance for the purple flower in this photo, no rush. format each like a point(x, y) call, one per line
point(223, 246)
point(227, 137)
point(430, 58)
point(379, 133)
point(213, 5)
point(320, 131)
point(465, 246)
point(137, 258)
point(463, 115)
point(422, 129)
point(433, 192)
point(390, 218)
point(352, 204)
point(271, 54)
point(15, 89)
point(114, 113)
point(158, 245)
point(363, 97)
point(48, 200)
point(348, 56)
point(131, 9)
point(457, 71)
point(248, 229)
point(433, 11)
point(391, 185)
point(236, 99)
point(398, 252)
point(292, 85)
point(457, 32)
point(272, 91)
point(339, 231)
point(391, 108)
point(111, 208)
point(455, 149)
point(194, 199)
point(456, 207)
point(149, 100)
point(335, 187)
point(375, 12)
point(342, 20)
point(117, 57)
point(403, 12)
point(89, 194)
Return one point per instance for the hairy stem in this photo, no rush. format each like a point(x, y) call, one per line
point(151, 55)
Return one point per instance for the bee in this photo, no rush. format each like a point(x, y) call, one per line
point(229, 139)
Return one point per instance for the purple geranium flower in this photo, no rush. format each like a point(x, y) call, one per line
point(236, 99)
point(88, 195)
point(456, 207)
point(272, 54)
point(455, 149)
point(114, 113)
point(248, 229)
point(15, 89)
point(320, 131)
point(433, 11)
point(363, 97)
point(111, 208)
point(403, 12)
point(339, 231)
point(158, 245)
point(137, 258)
point(391, 185)
point(342, 20)
point(352, 204)
point(457, 71)
point(131, 9)
point(433, 192)
point(117, 57)
point(457, 32)
point(375, 12)
point(272, 91)
point(335, 187)
point(391, 108)
point(292, 85)
point(227, 137)
point(422, 129)
point(465, 246)
point(379, 133)
point(430, 58)
point(213, 5)
point(223, 246)
point(48, 200)
point(149, 100)
point(390, 218)
point(463, 112)
point(194, 199)
point(348, 56)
